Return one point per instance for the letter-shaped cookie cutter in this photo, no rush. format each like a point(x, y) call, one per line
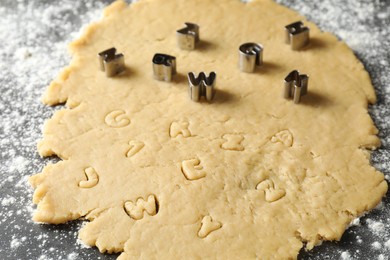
point(164, 67)
point(201, 86)
point(295, 86)
point(297, 35)
point(188, 37)
point(111, 62)
point(251, 55)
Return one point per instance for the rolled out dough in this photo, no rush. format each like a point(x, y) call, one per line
point(250, 175)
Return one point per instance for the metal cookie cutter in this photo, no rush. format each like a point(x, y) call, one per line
point(201, 86)
point(297, 35)
point(188, 37)
point(164, 67)
point(295, 86)
point(111, 62)
point(251, 55)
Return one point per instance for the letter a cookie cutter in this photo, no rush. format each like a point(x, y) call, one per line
point(201, 86)
point(295, 86)
point(164, 67)
point(188, 37)
point(251, 55)
point(297, 35)
point(111, 62)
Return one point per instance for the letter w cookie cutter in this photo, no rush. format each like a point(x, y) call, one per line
point(201, 86)
point(297, 35)
point(295, 86)
point(111, 62)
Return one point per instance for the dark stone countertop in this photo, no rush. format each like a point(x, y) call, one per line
point(33, 38)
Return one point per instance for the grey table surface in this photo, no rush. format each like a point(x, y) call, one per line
point(33, 38)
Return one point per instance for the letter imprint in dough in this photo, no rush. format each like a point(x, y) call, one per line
point(208, 225)
point(92, 178)
point(179, 128)
point(117, 119)
point(192, 169)
point(233, 142)
point(136, 210)
point(271, 193)
point(285, 137)
point(135, 147)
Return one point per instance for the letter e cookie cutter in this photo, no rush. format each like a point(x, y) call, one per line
point(297, 35)
point(251, 55)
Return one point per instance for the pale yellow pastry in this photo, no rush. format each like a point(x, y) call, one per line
point(249, 175)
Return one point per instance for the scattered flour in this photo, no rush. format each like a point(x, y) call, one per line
point(19, 164)
point(376, 245)
point(15, 243)
point(387, 244)
point(345, 256)
point(355, 222)
point(72, 256)
point(8, 201)
point(82, 244)
point(376, 226)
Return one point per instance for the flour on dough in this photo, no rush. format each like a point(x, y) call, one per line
point(250, 175)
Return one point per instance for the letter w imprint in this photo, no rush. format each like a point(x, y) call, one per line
point(136, 210)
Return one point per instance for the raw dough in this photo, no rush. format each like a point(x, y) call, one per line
point(250, 175)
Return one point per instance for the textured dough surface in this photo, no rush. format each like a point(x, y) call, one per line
point(250, 175)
